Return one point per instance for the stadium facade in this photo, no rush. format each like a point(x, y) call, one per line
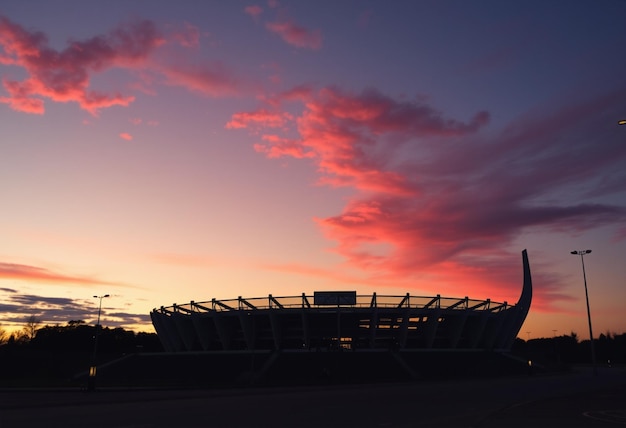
point(343, 320)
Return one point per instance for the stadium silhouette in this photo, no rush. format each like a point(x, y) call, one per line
point(341, 336)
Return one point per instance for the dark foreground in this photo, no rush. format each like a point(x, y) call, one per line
point(576, 399)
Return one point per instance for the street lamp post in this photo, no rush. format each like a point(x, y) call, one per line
point(582, 253)
point(91, 380)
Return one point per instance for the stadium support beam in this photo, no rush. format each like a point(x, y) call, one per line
point(247, 327)
point(481, 304)
point(306, 333)
point(175, 339)
point(222, 331)
point(184, 330)
point(404, 328)
point(514, 317)
point(373, 325)
point(216, 302)
point(406, 300)
point(271, 300)
point(436, 299)
point(432, 324)
point(276, 328)
point(499, 307)
point(243, 302)
point(456, 326)
point(161, 325)
point(204, 308)
point(203, 332)
point(460, 302)
point(178, 308)
point(475, 329)
point(490, 332)
point(305, 302)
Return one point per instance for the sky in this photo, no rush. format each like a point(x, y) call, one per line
point(163, 152)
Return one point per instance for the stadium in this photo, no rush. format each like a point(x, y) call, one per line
point(303, 330)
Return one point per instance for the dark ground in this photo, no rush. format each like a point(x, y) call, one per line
point(575, 399)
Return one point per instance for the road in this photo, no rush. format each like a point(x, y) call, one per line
point(576, 399)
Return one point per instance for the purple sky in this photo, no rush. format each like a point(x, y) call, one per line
point(165, 153)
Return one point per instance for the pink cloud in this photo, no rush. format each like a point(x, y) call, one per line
point(188, 36)
point(208, 79)
point(263, 118)
point(364, 18)
point(276, 147)
point(126, 136)
point(501, 58)
point(309, 271)
point(20, 98)
point(340, 130)
point(254, 10)
point(296, 35)
point(184, 260)
point(33, 273)
point(437, 201)
point(65, 75)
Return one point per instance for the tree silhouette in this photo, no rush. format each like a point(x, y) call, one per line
point(3, 335)
point(30, 330)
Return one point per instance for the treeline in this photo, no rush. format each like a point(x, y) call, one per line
point(61, 355)
point(78, 336)
point(610, 349)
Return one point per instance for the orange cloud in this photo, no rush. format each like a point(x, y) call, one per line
point(126, 136)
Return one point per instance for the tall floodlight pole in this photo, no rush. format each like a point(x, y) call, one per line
point(91, 381)
point(582, 253)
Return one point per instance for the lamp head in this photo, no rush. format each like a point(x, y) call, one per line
point(574, 252)
point(587, 251)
